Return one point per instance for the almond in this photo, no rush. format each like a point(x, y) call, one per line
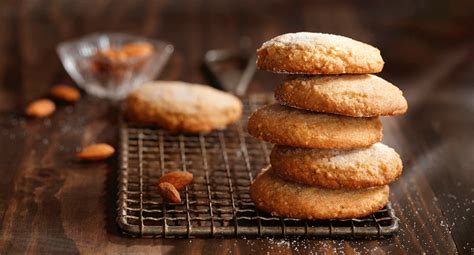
point(40, 108)
point(96, 152)
point(112, 54)
point(65, 92)
point(138, 49)
point(169, 192)
point(179, 179)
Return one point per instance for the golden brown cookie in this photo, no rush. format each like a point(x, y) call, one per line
point(318, 53)
point(376, 165)
point(283, 198)
point(289, 126)
point(362, 95)
point(182, 106)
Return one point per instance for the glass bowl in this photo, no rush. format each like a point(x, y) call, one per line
point(88, 62)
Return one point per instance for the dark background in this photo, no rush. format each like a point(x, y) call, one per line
point(50, 203)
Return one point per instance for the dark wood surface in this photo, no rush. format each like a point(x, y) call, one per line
point(51, 203)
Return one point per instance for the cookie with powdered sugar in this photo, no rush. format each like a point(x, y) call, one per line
point(318, 53)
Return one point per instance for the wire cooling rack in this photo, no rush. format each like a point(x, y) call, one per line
point(217, 203)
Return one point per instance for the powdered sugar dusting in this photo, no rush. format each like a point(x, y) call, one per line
point(308, 38)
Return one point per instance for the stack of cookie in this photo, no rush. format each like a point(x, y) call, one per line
point(328, 162)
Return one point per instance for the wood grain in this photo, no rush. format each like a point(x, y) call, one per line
point(51, 203)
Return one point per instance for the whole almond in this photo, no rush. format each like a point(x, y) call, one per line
point(138, 49)
point(40, 108)
point(112, 54)
point(169, 192)
point(96, 152)
point(179, 179)
point(65, 92)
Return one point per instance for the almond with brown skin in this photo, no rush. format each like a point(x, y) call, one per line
point(96, 152)
point(112, 54)
point(179, 179)
point(40, 108)
point(65, 93)
point(169, 192)
point(138, 49)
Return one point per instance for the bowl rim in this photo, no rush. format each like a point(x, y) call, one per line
point(63, 47)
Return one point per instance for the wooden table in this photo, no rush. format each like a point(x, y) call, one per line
point(51, 203)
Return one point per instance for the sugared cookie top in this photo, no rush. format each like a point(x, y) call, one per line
point(318, 53)
point(363, 95)
point(289, 126)
point(182, 106)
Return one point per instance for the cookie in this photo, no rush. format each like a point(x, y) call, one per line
point(289, 126)
point(376, 165)
point(288, 199)
point(318, 53)
point(181, 106)
point(363, 95)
